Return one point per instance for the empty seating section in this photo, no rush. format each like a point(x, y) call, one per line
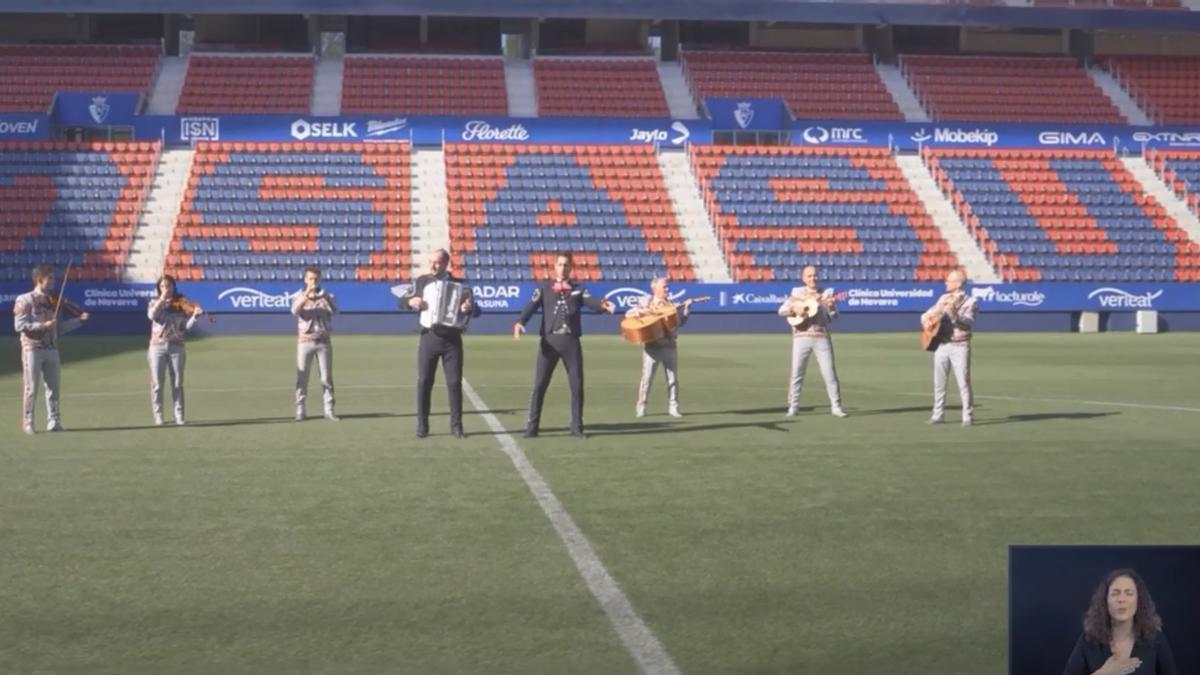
point(815, 86)
point(262, 211)
point(1063, 216)
point(247, 84)
point(848, 211)
point(1008, 89)
point(513, 206)
point(31, 74)
point(1180, 170)
point(73, 203)
point(1166, 87)
point(599, 87)
point(423, 86)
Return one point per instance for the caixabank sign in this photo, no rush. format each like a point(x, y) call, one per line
point(509, 297)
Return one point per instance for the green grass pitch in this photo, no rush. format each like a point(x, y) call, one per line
point(747, 541)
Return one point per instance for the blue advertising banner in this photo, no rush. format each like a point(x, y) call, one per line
point(23, 127)
point(750, 114)
point(737, 297)
point(185, 130)
point(90, 109)
point(914, 136)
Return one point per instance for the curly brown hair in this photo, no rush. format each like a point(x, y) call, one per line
point(1097, 624)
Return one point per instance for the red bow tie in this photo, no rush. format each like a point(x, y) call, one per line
point(561, 286)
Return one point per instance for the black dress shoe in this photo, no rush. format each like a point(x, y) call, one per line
point(422, 433)
point(530, 433)
point(457, 433)
point(578, 433)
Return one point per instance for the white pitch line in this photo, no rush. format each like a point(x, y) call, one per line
point(637, 637)
point(1118, 404)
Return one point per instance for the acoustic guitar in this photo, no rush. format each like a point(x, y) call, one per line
point(656, 325)
point(809, 308)
point(935, 332)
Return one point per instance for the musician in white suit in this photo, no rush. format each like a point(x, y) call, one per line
point(439, 342)
point(810, 310)
point(959, 310)
point(663, 350)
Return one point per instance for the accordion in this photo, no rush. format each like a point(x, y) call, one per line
point(443, 299)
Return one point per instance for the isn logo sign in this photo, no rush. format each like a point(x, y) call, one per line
point(199, 129)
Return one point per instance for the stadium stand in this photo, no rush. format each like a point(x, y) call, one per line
point(848, 210)
point(1046, 215)
point(1009, 89)
point(261, 211)
point(247, 84)
point(1180, 170)
point(599, 87)
point(815, 86)
point(513, 206)
point(1167, 88)
point(423, 86)
point(31, 74)
point(72, 203)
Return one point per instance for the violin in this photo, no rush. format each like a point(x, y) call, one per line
point(180, 303)
point(57, 300)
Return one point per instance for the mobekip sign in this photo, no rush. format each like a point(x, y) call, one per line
point(508, 297)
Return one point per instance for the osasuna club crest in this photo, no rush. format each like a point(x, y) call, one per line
point(99, 109)
point(743, 114)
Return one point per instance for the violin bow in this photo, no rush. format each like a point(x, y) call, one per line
point(62, 291)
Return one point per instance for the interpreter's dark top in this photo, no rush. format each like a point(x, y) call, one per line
point(1088, 657)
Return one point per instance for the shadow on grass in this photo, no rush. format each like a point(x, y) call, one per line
point(632, 429)
point(72, 348)
point(775, 409)
point(1041, 417)
point(896, 411)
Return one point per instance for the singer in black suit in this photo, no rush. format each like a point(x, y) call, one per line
point(439, 342)
point(561, 301)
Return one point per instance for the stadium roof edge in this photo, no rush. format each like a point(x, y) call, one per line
point(724, 10)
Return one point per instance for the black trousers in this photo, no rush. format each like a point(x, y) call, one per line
point(551, 350)
point(449, 348)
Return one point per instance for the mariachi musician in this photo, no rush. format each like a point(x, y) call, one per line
point(36, 319)
point(809, 311)
point(664, 350)
point(439, 342)
point(171, 317)
point(314, 308)
point(561, 300)
point(955, 313)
